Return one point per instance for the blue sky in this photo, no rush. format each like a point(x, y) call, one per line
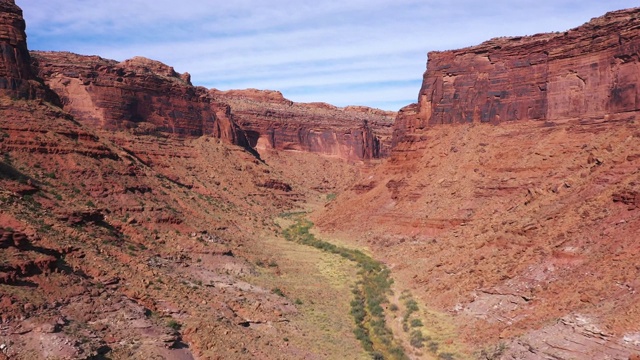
point(345, 52)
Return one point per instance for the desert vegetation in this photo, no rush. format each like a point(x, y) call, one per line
point(370, 293)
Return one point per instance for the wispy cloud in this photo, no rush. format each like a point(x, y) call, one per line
point(363, 52)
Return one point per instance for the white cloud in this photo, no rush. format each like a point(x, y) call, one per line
point(325, 47)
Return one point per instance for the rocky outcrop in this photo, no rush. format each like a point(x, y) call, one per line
point(588, 72)
point(16, 78)
point(28, 260)
point(140, 94)
point(273, 122)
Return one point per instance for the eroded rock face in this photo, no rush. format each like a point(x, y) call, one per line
point(588, 72)
point(273, 122)
point(138, 93)
point(16, 77)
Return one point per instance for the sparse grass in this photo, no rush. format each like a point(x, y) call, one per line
point(493, 352)
point(446, 356)
point(370, 292)
point(324, 315)
point(411, 306)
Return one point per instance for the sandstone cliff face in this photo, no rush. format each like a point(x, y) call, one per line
point(139, 93)
point(588, 72)
point(16, 77)
point(273, 122)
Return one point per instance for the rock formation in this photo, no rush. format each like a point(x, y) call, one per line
point(273, 122)
point(148, 96)
point(138, 93)
point(16, 77)
point(589, 72)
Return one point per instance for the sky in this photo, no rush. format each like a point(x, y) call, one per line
point(343, 52)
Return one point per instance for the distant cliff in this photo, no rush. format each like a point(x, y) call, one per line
point(138, 93)
point(149, 96)
point(273, 122)
point(588, 72)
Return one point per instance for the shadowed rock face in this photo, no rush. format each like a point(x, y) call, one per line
point(590, 71)
point(273, 122)
point(138, 93)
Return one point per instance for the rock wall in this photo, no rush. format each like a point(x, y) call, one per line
point(141, 94)
point(16, 78)
point(273, 122)
point(588, 72)
point(148, 96)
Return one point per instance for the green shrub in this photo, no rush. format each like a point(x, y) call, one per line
point(277, 291)
point(173, 324)
point(416, 339)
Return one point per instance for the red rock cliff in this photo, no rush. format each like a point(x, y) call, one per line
point(588, 72)
point(273, 122)
point(137, 93)
point(16, 77)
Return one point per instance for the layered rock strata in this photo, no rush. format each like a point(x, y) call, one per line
point(591, 71)
point(138, 93)
point(273, 122)
point(16, 78)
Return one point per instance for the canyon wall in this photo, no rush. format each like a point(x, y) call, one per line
point(273, 122)
point(138, 93)
point(16, 78)
point(588, 72)
point(148, 96)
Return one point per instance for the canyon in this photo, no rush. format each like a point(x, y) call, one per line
point(143, 217)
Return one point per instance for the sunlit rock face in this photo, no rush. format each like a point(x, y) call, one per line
point(139, 93)
point(16, 78)
point(588, 72)
point(274, 122)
